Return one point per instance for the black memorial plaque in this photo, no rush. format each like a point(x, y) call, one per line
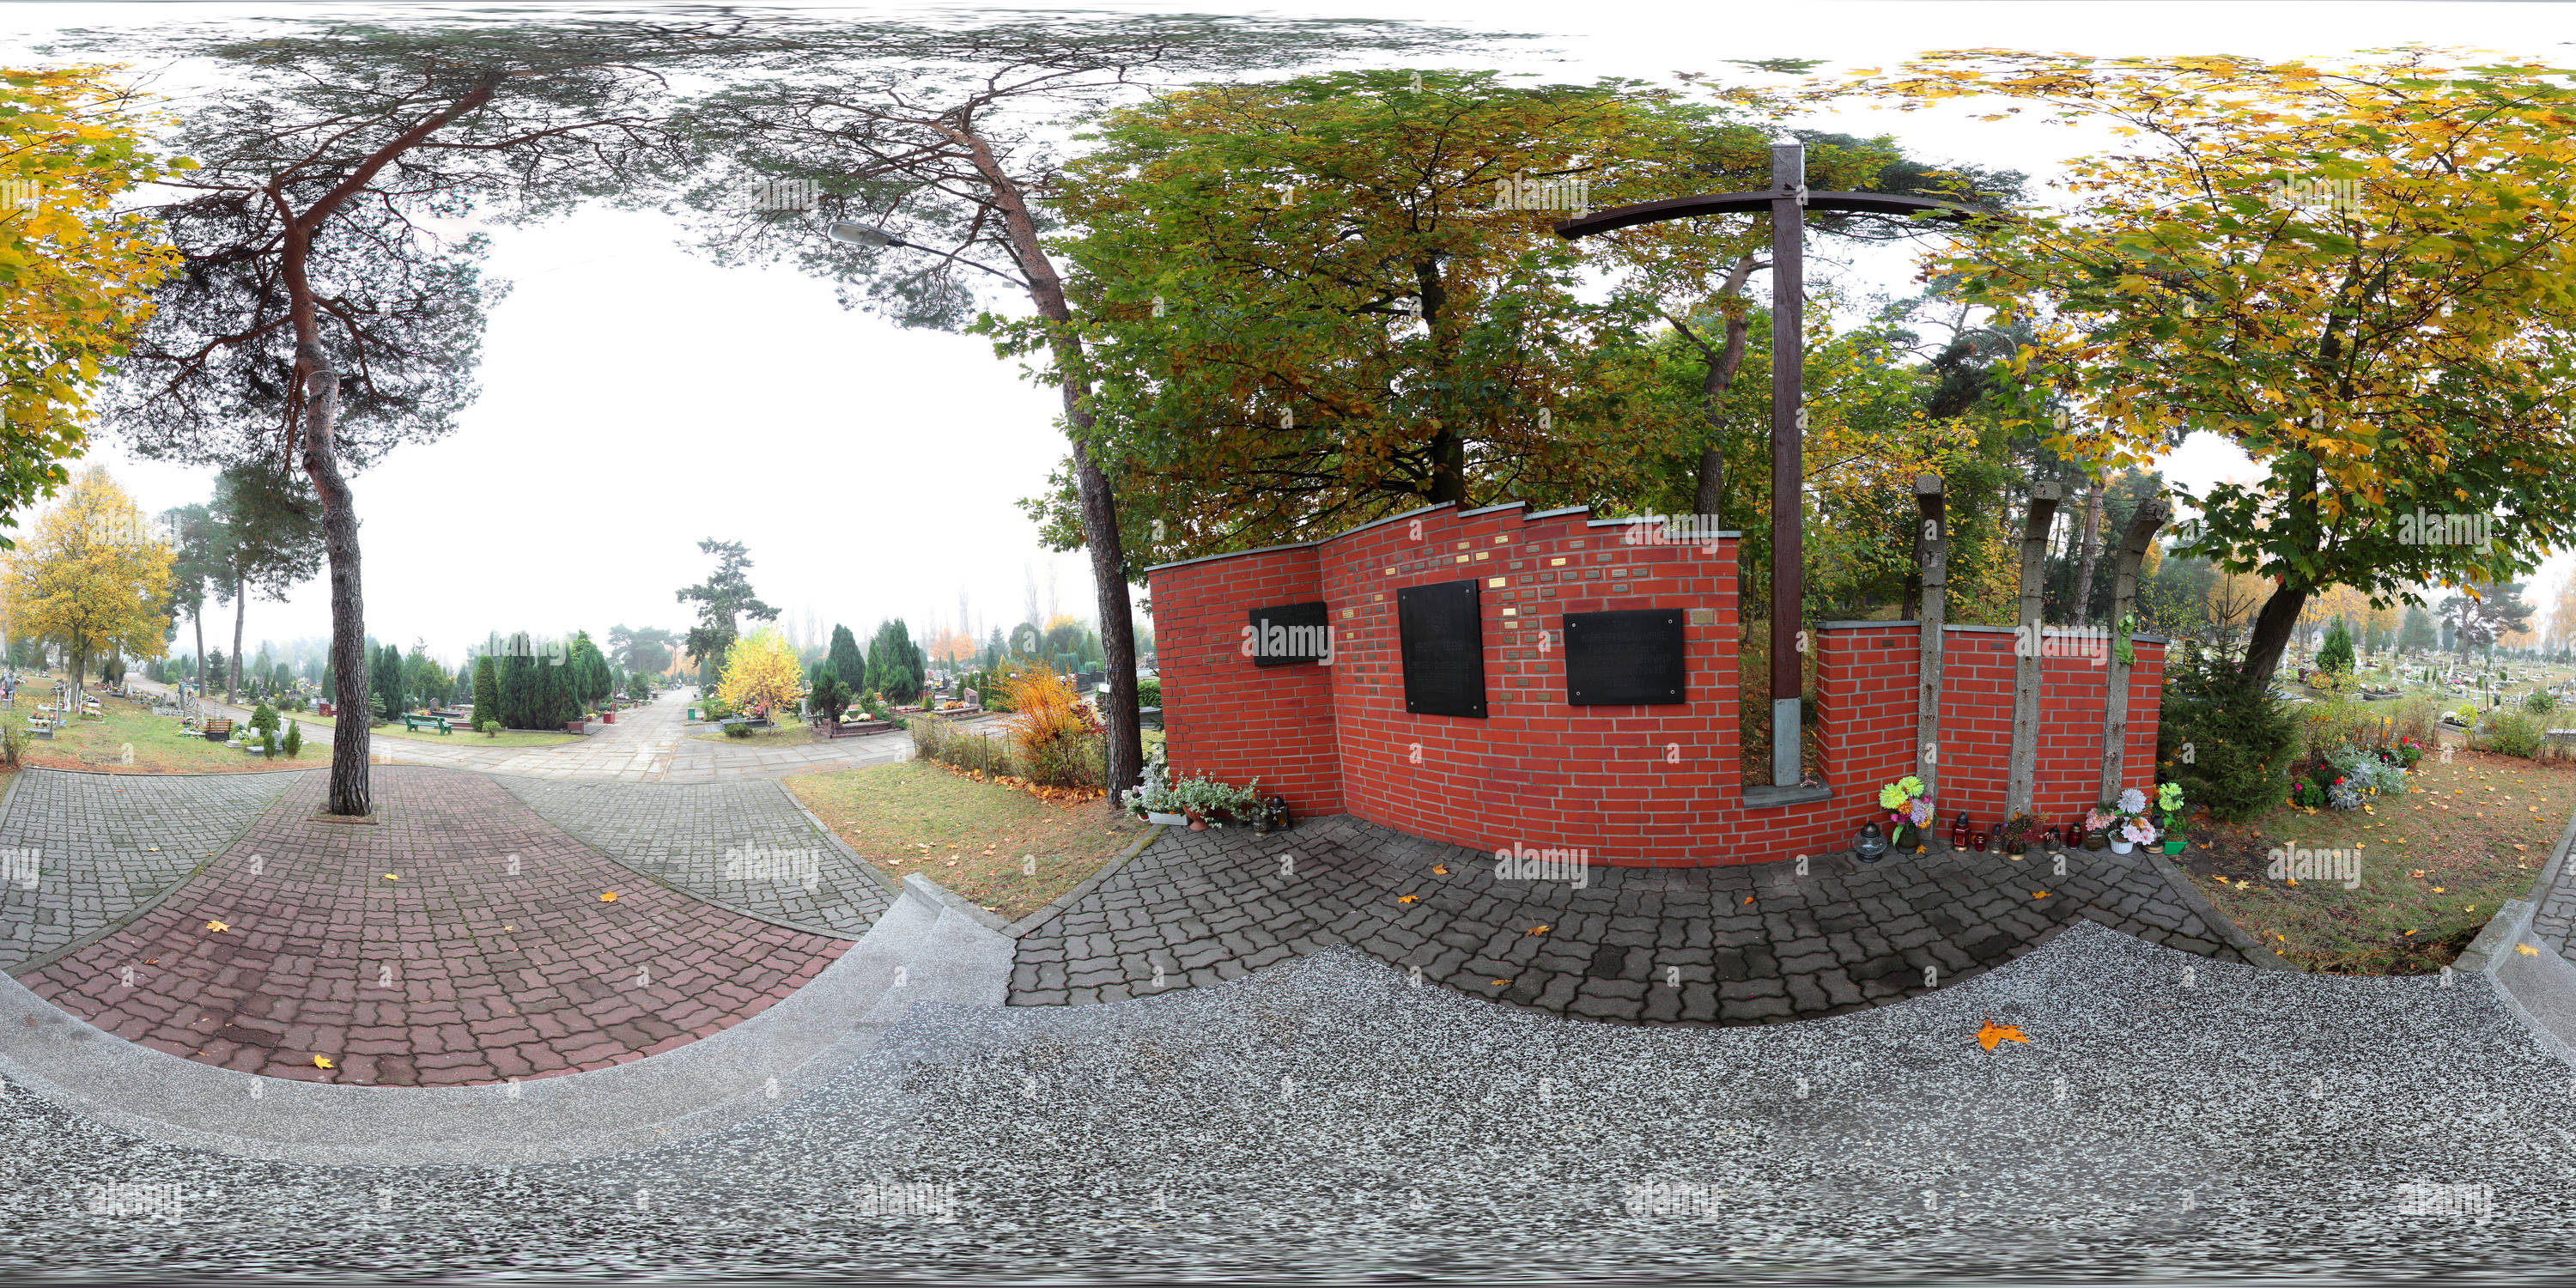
point(1443, 633)
point(1287, 634)
point(1631, 658)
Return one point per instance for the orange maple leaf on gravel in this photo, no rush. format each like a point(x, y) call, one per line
point(1993, 1033)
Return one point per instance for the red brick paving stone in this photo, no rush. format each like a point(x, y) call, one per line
point(470, 1002)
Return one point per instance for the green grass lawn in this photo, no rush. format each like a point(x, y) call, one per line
point(159, 745)
point(505, 738)
point(978, 839)
point(2435, 864)
point(776, 736)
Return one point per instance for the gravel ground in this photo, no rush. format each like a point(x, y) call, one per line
point(2170, 1117)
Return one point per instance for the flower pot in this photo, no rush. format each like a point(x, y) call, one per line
point(1908, 839)
point(2121, 845)
point(1166, 820)
point(1197, 824)
point(2174, 845)
point(2095, 841)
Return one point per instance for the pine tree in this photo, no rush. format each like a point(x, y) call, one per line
point(845, 659)
point(487, 691)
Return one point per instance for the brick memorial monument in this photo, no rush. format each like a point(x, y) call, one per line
point(1496, 678)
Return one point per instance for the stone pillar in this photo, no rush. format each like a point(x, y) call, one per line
point(2151, 515)
point(2023, 769)
point(1936, 553)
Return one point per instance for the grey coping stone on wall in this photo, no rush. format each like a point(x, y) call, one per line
point(923, 950)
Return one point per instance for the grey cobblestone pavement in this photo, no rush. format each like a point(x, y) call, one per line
point(742, 845)
point(2554, 917)
point(1741, 945)
point(2168, 1119)
point(105, 845)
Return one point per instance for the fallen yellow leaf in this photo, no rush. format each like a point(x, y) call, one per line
point(217, 926)
point(1538, 930)
point(2039, 894)
point(321, 1062)
point(610, 897)
point(2526, 950)
point(1440, 869)
point(1407, 898)
point(391, 877)
point(1993, 1033)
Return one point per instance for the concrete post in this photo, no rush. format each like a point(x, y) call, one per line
point(2022, 775)
point(2151, 515)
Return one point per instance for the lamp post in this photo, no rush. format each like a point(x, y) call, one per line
point(1786, 201)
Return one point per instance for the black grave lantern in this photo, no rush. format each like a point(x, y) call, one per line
point(1275, 814)
point(1871, 845)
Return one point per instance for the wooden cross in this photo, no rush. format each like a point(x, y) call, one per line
point(1784, 201)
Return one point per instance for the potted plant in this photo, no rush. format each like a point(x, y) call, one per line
point(2169, 812)
point(2097, 828)
point(1908, 810)
point(2016, 834)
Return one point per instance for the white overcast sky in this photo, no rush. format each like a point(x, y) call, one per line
point(872, 471)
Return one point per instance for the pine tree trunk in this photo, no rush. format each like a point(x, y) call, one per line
point(232, 665)
point(1125, 753)
point(350, 740)
point(2271, 635)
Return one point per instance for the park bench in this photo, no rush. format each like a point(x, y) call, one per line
point(218, 730)
point(412, 723)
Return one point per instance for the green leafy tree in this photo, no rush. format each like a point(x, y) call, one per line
point(78, 274)
point(2355, 273)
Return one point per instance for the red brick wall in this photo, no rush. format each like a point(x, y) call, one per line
point(1222, 715)
point(1633, 785)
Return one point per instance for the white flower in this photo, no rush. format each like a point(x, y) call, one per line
point(2133, 801)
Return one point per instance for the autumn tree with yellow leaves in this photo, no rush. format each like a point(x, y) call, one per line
point(92, 573)
point(2357, 273)
point(75, 277)
point(761, 673)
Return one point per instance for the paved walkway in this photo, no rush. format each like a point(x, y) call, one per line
point(1742, 945)
point(488, 954)
point(744, 845)
point(86, 851)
